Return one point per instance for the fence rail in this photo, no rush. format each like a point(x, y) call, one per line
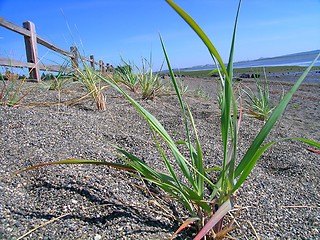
point(19, 64)
point(31, 40)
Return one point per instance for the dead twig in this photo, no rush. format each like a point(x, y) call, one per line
point(254, 230)
point(42, 225)
point(300, 206)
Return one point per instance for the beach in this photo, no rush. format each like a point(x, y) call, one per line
point(280, 200)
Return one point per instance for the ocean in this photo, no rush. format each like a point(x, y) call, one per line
point(297, 59)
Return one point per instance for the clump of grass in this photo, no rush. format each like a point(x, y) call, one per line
point(89, 79)
point(8, 75)
point(125, 75)
point(207, 207)
point(140, 80)
point(258, 103)
point(200, 93)
point(60, 81)
point(87, 76)
point(12, 91)
point(184, 88)
point(150, 83)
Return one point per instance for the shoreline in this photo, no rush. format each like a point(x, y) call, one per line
point(281, 73)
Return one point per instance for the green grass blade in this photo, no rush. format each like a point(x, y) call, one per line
point(304, 140)
point(175, 192)
point(143, 168)
point(166, 161)
point(270, 122)
point(197, 165)
point(231, 54)
point(176, 87)
point(156, 126)
point(248, 168)
point(198, 158)
point(199, 32)
point(164, 181)
point(229, 103)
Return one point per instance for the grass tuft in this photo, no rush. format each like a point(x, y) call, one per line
point(125, 75)
point(150, 82)
point(89, 79)
point(258, 102)
point(12, 91)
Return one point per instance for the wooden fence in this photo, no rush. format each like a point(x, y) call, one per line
point(31, 40)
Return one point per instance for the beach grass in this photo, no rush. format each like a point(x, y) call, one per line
point(150, 82)
point(12, 90)
point(125, 75)
point(258, 103)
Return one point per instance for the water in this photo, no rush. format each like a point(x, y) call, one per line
point(290, 60)
point(299, 59)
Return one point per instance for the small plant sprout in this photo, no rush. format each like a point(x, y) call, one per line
point(92, 83)
point(61, 80)
point(200, 93)
point(184, 89)
point(125, 75)
point(140, 80)
point(150, 83)
point(12, 91)
point(258, 103)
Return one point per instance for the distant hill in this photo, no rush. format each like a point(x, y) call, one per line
point(308, 54)
point(294, 59)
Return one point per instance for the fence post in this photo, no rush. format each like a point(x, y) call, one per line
point(92, 62)
point(32, 50)
point(102, 67)
point(74, 58)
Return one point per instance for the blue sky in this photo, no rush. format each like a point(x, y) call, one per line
point(130, 29)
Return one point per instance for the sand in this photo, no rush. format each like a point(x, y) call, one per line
point(280, 199)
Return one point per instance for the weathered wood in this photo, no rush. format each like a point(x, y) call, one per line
point(18, 64)
point(54, 68)
point(31, 39)
point(75, 57)
point(83, 58)
point(43, 42)
point(14, 28)
point(102, 66)
point(92, 61)
point(15, 63)
point(6, 24)
point(32, 50)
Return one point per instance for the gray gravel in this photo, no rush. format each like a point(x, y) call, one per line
point(280, 200)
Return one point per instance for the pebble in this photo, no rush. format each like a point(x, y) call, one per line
point(97, 237)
